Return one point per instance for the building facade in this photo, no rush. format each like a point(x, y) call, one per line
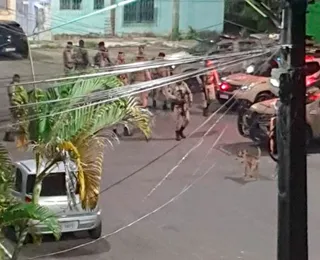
point(66, 10)
point(140, 17)
point(155, 16)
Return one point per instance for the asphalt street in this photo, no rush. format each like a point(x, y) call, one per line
point(202, 209)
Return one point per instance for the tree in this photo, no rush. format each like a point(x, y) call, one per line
point(14, 212)
point(74, 129)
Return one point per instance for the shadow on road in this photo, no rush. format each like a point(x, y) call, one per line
point(240, 180)
point(66, 242)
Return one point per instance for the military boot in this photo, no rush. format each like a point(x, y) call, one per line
point(126, 131)
point(8, 137)
point(115, 131)
point(178, 137)
point(172, 106)
point(165, 106)
point(205, 112)
point(181, 133)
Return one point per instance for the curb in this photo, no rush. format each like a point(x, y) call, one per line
point(113, 45)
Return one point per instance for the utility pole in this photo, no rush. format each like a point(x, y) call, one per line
point(113, 18)
point(291, 133)
point(175, 20)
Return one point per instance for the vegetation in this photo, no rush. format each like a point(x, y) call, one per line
point(73, 129)
point(14, 213)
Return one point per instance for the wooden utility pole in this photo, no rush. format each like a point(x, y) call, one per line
point(291, 133)
point(175, 20)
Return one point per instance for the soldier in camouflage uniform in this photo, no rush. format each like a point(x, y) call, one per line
point(125, 80)
point(182, 101)
point(9, 134)
point(160, 93)
point(142, 76)
point(68, 58)
point(101, 59)
point(81, 57)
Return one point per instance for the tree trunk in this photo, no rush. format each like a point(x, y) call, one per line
point(35, 199)
point(20, 242)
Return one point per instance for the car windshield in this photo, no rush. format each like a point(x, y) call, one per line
point(53, 185)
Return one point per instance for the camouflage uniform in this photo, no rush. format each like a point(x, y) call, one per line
point(12, 129)
point(160, 93)
point(182, 100)
point(81, 59)
point(210, 84)
point(125, 80)
point(101, 59)
point(142, 76)
point(68, 61)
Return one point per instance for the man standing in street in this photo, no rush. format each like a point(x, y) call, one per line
point(142, 76)
point(81, 57)
point(210, 83)
point(68, 58)
point(158, 93)
point(125, 80)
point(101, 59)
point(141, 52)
point(9, 134)
point(182, 102)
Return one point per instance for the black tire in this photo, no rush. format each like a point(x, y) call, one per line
point(240, 123)
point(263, 96)
point(96, 232)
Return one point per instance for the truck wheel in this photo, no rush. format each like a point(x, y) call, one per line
point(263, 96)
point(96, 232)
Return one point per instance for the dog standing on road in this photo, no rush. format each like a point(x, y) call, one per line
point(251, 163)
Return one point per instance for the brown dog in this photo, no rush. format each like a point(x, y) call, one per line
point(251, 163)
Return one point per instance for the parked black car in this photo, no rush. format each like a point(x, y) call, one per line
point(13, 39)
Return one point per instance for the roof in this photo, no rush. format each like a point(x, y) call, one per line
point(30, 166)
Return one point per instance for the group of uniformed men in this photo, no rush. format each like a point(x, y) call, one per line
point(179, 94)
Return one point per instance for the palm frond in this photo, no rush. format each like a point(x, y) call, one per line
point(6, 178)
point(30, 211)
point(139, 117)
point(91, 153)
point(20, 113)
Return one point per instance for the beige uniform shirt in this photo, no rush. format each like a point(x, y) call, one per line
point(180, 94)
point(68, 60)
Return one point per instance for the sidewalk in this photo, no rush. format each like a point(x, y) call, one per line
point(116, 42)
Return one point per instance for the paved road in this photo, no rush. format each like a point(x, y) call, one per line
point(48, 64)
point(218, 217)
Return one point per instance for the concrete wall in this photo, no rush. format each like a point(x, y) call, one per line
point(96, 24)
point(198, 14)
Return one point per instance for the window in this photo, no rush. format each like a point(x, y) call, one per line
point(98, 4)
point(53, 185)
point(18, 183)
point(139, 12)
point(70, 4)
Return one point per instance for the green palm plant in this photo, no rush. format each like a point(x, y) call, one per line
point(16, 213)
point(73, 129)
